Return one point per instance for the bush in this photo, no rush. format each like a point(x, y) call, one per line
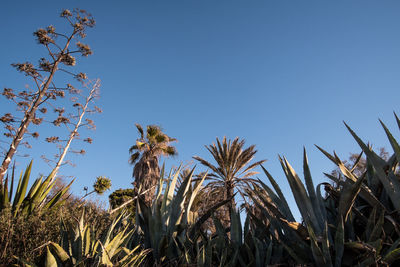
point(24, 236)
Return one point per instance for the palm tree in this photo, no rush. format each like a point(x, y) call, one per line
point(144, 156)
point(232, 171)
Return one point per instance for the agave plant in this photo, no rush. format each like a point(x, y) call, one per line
point(354, 224)
point(169, 227)
point(80, 247)
point(375, 217)
point(22, 203)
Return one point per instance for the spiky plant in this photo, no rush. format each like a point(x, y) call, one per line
point(37, 199)
point(80, 247)
point(233, 170)
point(356, 223)
point(144, 156)
point(169, 227)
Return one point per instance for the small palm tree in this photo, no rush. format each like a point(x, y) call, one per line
point(233, 170)
point(144, 156)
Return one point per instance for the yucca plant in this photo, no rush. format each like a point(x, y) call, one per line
point(22, 203)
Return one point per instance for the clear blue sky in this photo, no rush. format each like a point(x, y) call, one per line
point(281, 74)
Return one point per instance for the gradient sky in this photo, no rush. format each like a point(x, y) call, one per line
point(281, 74)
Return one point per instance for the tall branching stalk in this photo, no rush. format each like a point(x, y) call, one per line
point(42, 75)
point(82, 108)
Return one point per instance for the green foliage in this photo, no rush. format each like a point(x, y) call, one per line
point(233, 170)
point(120, 196)
point(101, 185)
point(28, 220)
point(353, 222)
point(22, 203)
point(82, 245)
point(169, 227)
point(22, 235)
point(356, 223)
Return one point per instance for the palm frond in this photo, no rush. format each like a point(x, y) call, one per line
point(206, 163)
point(133, 158)
point(140, 130)
point(133, 148)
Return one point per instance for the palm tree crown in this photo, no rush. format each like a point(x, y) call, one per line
point(233, 169)
point(144, 156)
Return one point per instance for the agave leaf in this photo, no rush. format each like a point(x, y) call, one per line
point(156, 230)
point(310, 189)
point(12, 182)
point(377, 244)
point(320, 201)
point(5, 201)
point(299, 192)
point(43, 190)
point(236, 229)
point(348, 196)
point(195, 229)
point(105, 258)
point(59, 252)
point(376, 232)
point(21, 189)
point(169, 192)
point(370, 223)
point(326, 246)
point(297, 227)
point(280, 204)
point(339, 243)
point(177, 203)
point(392, 256)
point(359, 247)
point(359, 157)
point(392, 186)
point(219, 228)
point(55, 200)
point(365, 192)
point(107, 238)
point(30, 202)
point(278, 190)
point(193, 195)
point(393, 142)
point(133, 258)
point(50, 260)
point(246, 227)
point(208, 254)
point(234, 258)
point(293, 254)
point(111, 248)
point(34, 187)
point(86, 241)
point(344, 169)
point(267, 202)
point(269, 253)
point(316, 251)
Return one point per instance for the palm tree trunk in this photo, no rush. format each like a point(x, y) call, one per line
point(230, 191)
point(147, 174)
